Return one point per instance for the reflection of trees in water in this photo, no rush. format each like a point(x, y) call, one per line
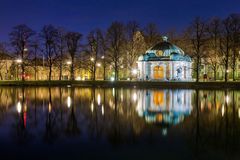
point(114, 118)
point(22, 133)
point(51, 127)
point(72, 124)
point(214, 128)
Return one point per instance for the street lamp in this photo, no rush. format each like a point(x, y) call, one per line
point(69, 62)
point(134, 71)
point(99, 64)
point(19, 60)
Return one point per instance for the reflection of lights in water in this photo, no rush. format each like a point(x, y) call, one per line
point(69, 101)
point(99, 99)
point(19, 107)
point(223, 110)
point(121, 96)
point(113, 91)
point(111, 103)
point(92, 107)
point(25, 107)
point(134, 97)
point(49, 107)
point(102, 110)
point(227, 99)
point(164, 132)
point(239, 112)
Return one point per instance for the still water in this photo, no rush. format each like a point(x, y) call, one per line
point(119, 123)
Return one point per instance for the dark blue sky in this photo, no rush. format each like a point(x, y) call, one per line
point(85, 15)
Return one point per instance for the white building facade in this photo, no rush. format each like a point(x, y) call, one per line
point(165, 62)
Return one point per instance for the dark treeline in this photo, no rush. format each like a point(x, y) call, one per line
point(215, 42)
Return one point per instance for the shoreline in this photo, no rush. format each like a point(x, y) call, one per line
point(138, 84)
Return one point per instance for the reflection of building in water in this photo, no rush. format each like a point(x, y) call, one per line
point(164, 106)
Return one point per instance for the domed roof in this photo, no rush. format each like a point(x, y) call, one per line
point(165, 48)
point(164, 51)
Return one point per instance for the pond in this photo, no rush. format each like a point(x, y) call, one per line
point(119, 123)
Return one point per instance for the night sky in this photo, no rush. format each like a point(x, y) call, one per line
point(85, 15)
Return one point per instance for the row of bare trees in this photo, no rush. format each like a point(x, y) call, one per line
point(215, 42)
point(118, 47)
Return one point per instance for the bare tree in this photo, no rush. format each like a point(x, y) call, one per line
point(135, 45)
point(49, 34)
point(213, 32)
point(20, 37)
point(72, 39)
point(115, 43)
point(197, 37)
point(235, 41)
point(103, 51)
point(94, 42)
point(151, 34)
point(35, 46)
point(225, 45)
point(61, 49)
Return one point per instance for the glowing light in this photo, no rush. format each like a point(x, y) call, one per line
point(19, 107)
point(164, 132)
point(69, 101)
point(92, 59)
point(49, 107)
point(134, 97)
point(102, 110)
point(122, 66)
point(78, 78)
point(92, 107)
point(102, 57)
point(227, 99)
point(99, 64)
point(69, 62)
point(19, 60)
point(238, 112)
point(113, 91)
point(25, 49)
point(128, 79)
point(134, 71)
point(227, 70)
point(223, 110)
point(99, 99)
point(112, 79)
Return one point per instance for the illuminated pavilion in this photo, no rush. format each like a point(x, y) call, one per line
point(164, 62)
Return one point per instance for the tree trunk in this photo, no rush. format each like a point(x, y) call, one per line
point(94, 71)
point(215, 73)
point(104, 72)
point(197, 71)
point(72, 70)
point(60, 70)
point(116, 71)
point(50, 72)
point(226, 72)
point(23, 71)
